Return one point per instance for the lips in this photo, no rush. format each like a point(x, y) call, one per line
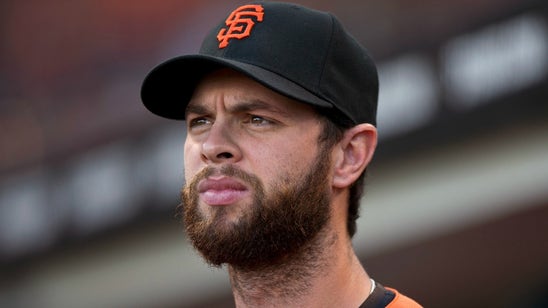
point(221, 191)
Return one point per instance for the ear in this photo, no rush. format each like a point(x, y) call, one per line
point(354, 152)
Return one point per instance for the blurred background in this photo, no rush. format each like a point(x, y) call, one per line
point(456, 206)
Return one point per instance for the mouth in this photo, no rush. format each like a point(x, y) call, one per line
point(219, 191)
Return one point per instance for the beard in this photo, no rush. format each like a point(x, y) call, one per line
point(272, 228)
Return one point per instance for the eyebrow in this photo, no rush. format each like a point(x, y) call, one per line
point(239, 107)
point(195, 108)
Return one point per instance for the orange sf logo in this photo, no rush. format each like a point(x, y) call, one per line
point(239, 23)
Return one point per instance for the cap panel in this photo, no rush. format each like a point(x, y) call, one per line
point(350, 79)
point(289, 41)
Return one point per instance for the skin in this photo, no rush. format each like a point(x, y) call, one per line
point(233, 120)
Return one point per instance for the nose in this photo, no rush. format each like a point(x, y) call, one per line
point(220, 145)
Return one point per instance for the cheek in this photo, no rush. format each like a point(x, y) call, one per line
point(283, 162)
point(191, 160)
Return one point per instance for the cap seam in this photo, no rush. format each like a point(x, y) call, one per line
point(327, 52)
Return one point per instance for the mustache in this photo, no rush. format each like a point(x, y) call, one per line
point(226, 170)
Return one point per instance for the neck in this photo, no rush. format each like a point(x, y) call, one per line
point(326, 272)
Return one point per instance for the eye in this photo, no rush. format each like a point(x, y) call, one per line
point(258, 120)
point(197, 122)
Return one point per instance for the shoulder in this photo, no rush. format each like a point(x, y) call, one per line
point(401, 301)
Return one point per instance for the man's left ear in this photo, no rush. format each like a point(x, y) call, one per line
point(354, 152)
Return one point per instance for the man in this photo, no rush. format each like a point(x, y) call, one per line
point(280, 107)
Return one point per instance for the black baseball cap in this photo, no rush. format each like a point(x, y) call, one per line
point(298, 52)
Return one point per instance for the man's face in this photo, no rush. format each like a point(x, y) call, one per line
point(257, 181)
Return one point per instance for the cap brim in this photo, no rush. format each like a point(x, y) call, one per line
point(168, 88)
